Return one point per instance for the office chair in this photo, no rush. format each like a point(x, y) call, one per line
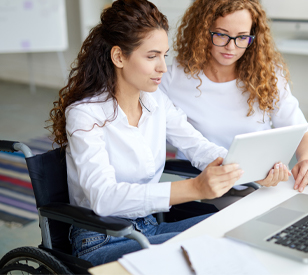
point(49, 180)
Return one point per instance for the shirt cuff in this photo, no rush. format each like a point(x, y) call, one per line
point(158, 197)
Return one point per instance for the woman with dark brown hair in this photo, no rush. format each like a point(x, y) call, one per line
point(229, 78)
point(114, 121)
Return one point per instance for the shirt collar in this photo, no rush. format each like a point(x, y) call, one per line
point(147, 101)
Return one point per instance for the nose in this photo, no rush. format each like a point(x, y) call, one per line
point(231, 45)
point(162, 66)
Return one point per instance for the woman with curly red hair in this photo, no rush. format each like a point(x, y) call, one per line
point(229, 78)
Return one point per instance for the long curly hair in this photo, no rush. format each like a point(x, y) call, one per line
point(255, 70)
point(125, 24)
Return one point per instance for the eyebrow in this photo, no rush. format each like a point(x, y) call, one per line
point(228, 31)
point(156, 51)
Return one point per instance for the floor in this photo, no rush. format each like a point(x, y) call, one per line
point(22, 117)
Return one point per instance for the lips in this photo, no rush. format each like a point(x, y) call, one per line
point(157, 80)
point(227, 55)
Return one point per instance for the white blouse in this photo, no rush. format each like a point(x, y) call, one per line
point(115, 169)
point(219, 110)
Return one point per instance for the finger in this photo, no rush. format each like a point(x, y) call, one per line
point(300, 175)
point(276, 173)
point(267, 181)
point(281, 174)
point(231, 177)
point(303, 183)
point(225, 169)
point(287, 173)
point(295, 171)
point(216, 162)
point(223, 187)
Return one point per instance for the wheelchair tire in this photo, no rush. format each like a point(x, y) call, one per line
point(18, 269)
point(35, 260)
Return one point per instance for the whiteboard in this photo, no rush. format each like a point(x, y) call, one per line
point(33, 26)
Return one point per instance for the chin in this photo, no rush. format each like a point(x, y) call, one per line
point(151, 90)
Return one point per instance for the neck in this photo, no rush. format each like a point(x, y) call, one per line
point(220, 74)
point(129, 103)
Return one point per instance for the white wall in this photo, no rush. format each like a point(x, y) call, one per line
point(292, 31)
point(287, 9)
point(174, 10)
point(46, 66)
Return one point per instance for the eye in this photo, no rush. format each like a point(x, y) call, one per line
point(166, 55)
point(243, 37)
point(151, 57)
point(221, 35)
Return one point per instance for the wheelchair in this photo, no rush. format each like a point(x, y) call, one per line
point(48, 176)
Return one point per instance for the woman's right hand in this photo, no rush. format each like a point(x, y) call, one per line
point(216, 180)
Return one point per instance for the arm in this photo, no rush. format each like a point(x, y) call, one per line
point(299, 171)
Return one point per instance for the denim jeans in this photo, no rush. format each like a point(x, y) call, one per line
point(100, 248)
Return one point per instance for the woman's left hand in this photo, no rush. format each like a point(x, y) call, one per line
point(279, 173)
point(300, 175)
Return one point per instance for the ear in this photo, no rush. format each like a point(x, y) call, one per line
point(117, 56)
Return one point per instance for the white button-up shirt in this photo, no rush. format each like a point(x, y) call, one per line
point(115, 168)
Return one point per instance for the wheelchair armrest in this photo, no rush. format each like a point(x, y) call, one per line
point(254, 185)
point(86, 218)
point(181, 168)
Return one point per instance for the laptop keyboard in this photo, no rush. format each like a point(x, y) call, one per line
point(294, 236)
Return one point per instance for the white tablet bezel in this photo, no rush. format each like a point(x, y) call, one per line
point(257, 152)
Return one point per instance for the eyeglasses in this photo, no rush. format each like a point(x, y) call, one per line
point(222, 39)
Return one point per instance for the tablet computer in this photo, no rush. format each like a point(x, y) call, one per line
point(257, 152)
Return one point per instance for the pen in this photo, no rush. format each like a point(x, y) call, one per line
point(185, 253)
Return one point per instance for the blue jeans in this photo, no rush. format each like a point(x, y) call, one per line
point(101, 248)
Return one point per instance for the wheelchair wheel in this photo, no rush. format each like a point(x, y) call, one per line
point(31, 260)
point(18, 269)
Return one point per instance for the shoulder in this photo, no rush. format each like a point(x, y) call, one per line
point(158, 96)
point(84, 113)
point(282, 84)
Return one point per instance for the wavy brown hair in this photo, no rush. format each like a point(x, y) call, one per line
point(255, 69)
point(125, 24)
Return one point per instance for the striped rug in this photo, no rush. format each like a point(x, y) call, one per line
point(17, 203)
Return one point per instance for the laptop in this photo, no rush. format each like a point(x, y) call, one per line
point(282, 230)
point(257, 152)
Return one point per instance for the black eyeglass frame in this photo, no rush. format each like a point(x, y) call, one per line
point(252, 37)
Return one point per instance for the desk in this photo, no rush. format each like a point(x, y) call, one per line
point(248, 207)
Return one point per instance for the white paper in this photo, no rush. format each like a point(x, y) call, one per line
point(208, 255)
